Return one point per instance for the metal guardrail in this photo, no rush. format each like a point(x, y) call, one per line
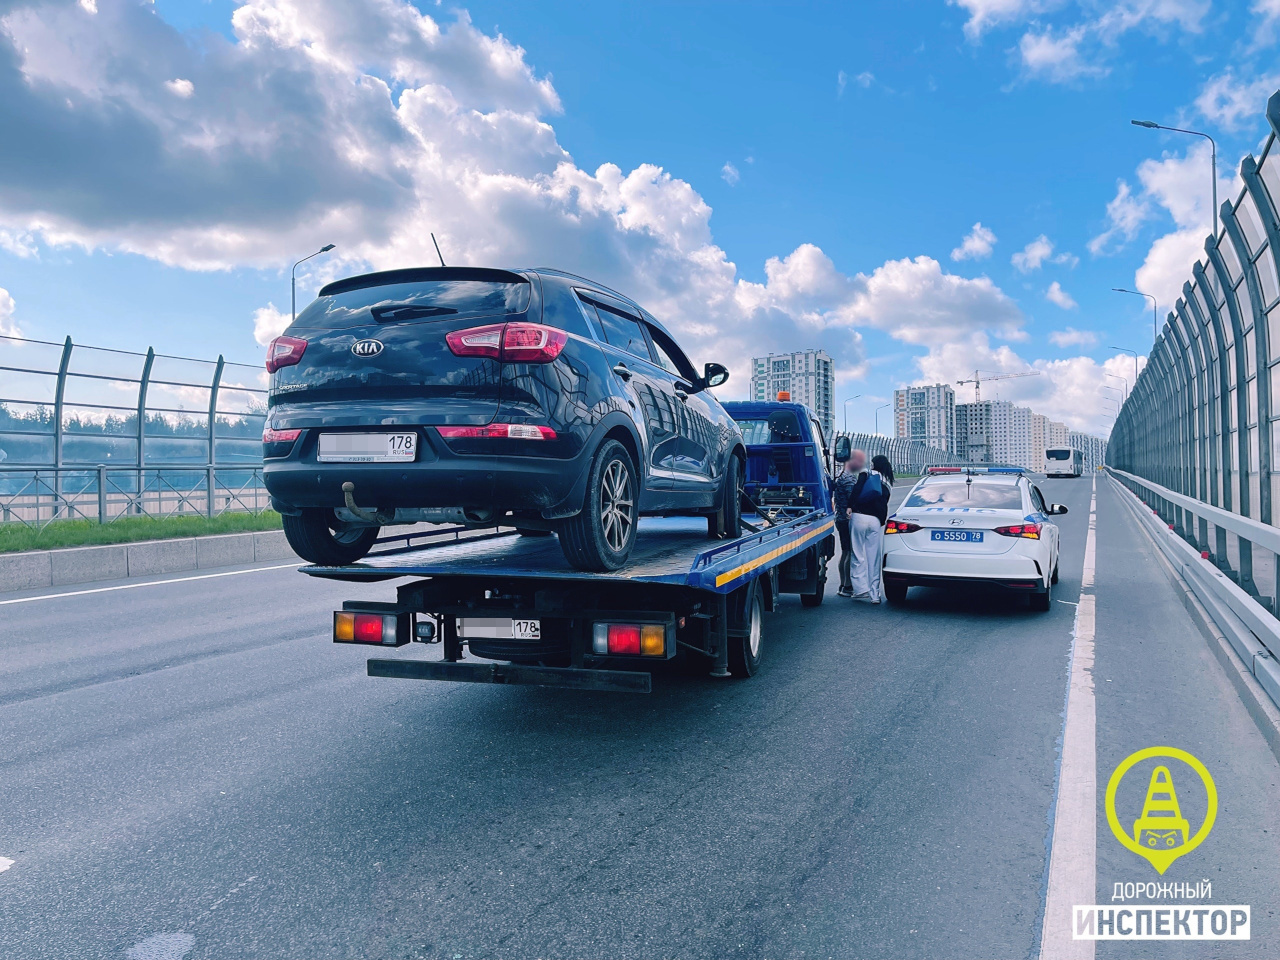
point(1248, 622)
point(1202, 419)
point(907, 456)
point(36, 497)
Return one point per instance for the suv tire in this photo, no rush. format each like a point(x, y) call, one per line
point(600, 537)
point(726, 523)
point(320, 538)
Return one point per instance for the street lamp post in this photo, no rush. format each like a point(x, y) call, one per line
point(293, 279)
point(1155, 310)
point(1132, 353)
point(1116, 376)
point(878, 409)
point(1213, 157)
point(846, 410)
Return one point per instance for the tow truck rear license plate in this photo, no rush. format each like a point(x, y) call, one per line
point(957, 536)
point(487, 628)
point(367, 447)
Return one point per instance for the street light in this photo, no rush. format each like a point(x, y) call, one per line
point(1213, 158)
point(293, 279)
point(1124, 380)
point(846, 410)
point(1155, 310)
point(1135, 360)
point(878, 409)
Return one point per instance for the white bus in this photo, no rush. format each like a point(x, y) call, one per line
point(1063, 462)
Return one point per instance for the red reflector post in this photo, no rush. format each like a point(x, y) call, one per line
point(624, 639)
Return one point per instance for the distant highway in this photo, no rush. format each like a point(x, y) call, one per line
point(189, 768)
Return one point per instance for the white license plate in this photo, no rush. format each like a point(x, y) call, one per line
point(488, 628)
point(367, 447)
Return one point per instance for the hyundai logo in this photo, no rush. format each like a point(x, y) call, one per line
point(956, 522)
point(367, 348)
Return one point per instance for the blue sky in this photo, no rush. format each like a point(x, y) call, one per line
point(176, 163)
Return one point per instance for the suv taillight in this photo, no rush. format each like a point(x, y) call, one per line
point(509, 342)
point(901, 526)
point(284, 352)
point(1028, 531)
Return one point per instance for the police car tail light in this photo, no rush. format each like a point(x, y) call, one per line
point(901, 526)
point(1027, 531)
point(285, 352)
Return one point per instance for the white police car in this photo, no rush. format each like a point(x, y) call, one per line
point(973, 525)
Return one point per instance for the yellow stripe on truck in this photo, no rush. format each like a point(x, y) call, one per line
point(737, 572)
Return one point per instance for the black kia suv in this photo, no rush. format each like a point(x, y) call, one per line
point(526, 398)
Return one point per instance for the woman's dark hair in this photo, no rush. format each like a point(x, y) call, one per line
point(882, 466)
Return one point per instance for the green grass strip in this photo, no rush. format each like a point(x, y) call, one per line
point(86, 533)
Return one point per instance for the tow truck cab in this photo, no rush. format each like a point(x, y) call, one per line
point(788, 463)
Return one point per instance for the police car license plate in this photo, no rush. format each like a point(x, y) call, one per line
point(957, 536)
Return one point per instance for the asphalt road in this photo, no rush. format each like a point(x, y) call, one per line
point(191, 769)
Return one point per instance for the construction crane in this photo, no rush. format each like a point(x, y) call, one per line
point(978, 380)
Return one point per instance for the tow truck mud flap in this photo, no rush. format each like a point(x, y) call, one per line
point(574, 678)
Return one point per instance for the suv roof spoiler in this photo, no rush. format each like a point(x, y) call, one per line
point(420, 274)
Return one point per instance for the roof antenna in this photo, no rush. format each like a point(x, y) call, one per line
point(438, 253)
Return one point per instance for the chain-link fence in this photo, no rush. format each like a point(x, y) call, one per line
point(88, 432)
point(909, 457)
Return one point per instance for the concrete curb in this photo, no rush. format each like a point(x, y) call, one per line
point(1256, 699)
point(56, 568)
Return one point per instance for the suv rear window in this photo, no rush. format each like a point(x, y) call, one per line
point(956, 493)
point(419, 301)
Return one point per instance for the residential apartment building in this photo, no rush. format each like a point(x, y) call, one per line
point(1045, 433)
point(1093, 448)
point(995, 431)
point(926, 415)
point(809, 376)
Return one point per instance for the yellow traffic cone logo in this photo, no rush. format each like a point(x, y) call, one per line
point(1161, 834)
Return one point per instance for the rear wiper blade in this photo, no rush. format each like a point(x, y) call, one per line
point(390, 313)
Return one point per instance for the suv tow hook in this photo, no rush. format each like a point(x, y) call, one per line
point(372, 516)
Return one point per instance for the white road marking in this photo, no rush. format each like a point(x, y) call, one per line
point(149, 583)
point(5, 864)
point(1073, 872)
point(163, 946)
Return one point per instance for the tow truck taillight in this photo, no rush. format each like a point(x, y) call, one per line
point(375, 627)
point(285, 352)
point(901, 526)
point(509, 342)
point(499, 431)
point(1027, 531)
point(629, 639)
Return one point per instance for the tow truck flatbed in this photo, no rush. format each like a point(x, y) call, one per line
point(668, 550)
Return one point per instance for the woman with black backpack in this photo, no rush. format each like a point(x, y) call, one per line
point(869, 505)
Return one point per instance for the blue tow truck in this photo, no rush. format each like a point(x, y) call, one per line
point(508, 608)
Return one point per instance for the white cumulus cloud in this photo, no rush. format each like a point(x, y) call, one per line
point(269, 323)
point(1056, 295)
point(1234, 103)
point(729, 174)
point(1125, 217)
point(7, 308)
point(976, 245)
point(180, 88)
point(1071, 337)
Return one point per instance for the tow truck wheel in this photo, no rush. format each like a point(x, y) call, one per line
point(815, 599)
point(600, 537)
point(319, 537)
point(726, 522)
point(746, 641)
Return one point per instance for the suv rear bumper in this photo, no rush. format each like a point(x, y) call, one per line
point(553, 488)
